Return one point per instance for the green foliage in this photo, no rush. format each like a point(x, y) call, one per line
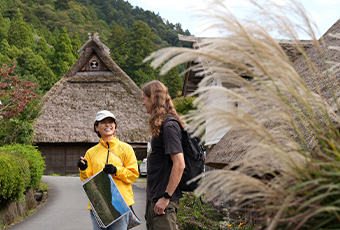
point(43, 187)
point(184, 104)
point(41, 48)
point(14, 130)
point(141, 44)
point(25, 169)
point(3, 30)
point(62, 4)
point(76, 44)
point(194, 214)
point(141, 40)
point(33, 155)
point(173, 81)
point(19, 33)
point(63, 56)
point(130, 32)
point(12, 52)
point(34, 65)
point(12, 181)
point(118, 45)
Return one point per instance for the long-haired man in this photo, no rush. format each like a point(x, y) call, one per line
point(165, 159)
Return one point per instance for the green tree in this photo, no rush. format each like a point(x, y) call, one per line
point(52, 40)
point(4, 51)
point(118, 45)
point(62, 4)
point(3, 30)
point(144, 74)
point(19, 33)
point(63, 56)
point(34, 65)
point(173, 81)
point(141, 44)
point(42, 48)
point(141, 40)
point(76, 44)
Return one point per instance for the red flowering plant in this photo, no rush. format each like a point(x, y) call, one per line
point(15, 94)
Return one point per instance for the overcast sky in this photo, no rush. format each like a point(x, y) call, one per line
point(324, 12)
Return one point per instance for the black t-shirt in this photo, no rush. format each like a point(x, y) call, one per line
point(160, 163)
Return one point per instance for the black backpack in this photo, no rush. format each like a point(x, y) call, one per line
point(194, 158)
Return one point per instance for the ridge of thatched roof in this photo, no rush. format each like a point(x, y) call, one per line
point(192, 79)
point(70, 106)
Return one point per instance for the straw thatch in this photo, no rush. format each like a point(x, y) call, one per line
point(95, 82)
point(193, 78)
point(226, 152)
point(322, 57)
point(232, 147)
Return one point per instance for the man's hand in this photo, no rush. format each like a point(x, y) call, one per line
point(160, 206)
point(82, 163)
point(110, 169)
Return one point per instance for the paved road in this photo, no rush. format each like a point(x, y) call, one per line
point(66, 207)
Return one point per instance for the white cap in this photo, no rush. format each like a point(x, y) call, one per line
point(101, 115)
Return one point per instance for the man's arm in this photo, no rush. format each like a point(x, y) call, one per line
point(175, 178)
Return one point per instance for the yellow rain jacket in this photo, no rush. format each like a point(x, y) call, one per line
point(127, 174)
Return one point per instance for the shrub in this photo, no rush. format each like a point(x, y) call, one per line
point(36, 161)
point(184, 104)
point(12, 181)
point(25, 169)
point(196, 214)
point(14, 130)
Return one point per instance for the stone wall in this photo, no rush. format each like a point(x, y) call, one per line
point(12, 212)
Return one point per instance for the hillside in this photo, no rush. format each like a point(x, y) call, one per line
point(42, 36)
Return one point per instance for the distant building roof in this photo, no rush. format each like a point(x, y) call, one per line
point(192, 79)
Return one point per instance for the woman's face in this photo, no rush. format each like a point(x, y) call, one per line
point(147, 103)
point(106, 127)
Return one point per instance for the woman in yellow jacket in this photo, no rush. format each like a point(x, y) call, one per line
point(120, 162)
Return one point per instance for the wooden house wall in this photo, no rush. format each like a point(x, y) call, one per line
point(62, 158)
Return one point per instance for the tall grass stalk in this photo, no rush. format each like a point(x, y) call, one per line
point(291, 173)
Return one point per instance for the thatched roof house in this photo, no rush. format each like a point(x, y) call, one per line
point(64, 131)
point(230, 148)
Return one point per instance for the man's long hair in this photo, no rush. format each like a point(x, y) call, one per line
point(162, 106)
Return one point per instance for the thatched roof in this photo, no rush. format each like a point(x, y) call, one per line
point(95, 82)
point(192, 79)
point(232, 147)
point(226, 152)
point(319, 58)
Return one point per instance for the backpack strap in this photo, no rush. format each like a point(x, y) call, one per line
point(113, 153)
point(171, 118)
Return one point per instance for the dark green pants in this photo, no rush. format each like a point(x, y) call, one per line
point(162, 222)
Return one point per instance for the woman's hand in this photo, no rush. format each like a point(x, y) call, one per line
point(82, 163)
